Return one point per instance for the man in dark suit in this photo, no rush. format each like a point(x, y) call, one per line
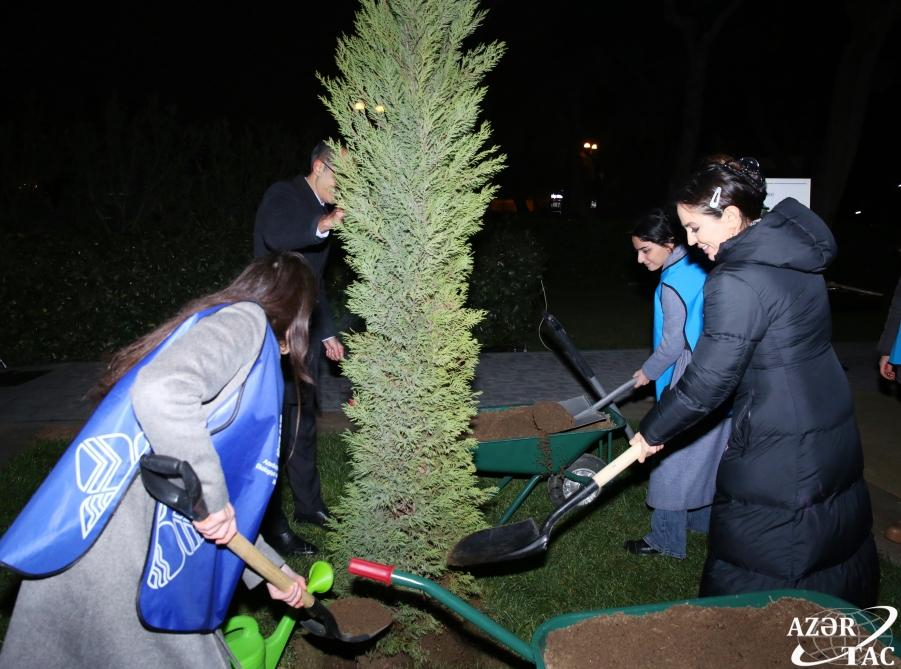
point(298, 215)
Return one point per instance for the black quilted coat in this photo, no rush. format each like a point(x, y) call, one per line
point(791, 507)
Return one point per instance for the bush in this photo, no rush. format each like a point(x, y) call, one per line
point(506, 284)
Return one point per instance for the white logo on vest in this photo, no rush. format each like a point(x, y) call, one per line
point(102, 465)
point(164, 568)
point(845, 637)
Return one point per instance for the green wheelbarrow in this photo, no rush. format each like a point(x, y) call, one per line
point(566, 460)
point(534, 649)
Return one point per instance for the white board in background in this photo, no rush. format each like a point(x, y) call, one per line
point(779, 188)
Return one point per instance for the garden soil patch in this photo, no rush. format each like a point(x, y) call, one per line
point(538, 420)
point(360, 615)
point(684, 637)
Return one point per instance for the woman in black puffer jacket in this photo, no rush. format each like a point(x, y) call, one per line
point(791, 509)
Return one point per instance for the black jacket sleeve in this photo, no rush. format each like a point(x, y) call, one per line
point(287, 221)
point(734, 323)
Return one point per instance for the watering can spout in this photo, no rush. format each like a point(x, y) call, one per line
point(275, 643)
point(242, 634)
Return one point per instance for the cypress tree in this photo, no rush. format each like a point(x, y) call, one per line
point(413, 175)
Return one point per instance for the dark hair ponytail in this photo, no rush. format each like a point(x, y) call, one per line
point(725, 181)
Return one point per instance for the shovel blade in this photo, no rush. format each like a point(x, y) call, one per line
point(575, 406)
point(499, 544)
point(323, 624)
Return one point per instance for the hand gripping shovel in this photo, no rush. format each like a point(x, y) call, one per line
point(156, 472)
point(519, 540)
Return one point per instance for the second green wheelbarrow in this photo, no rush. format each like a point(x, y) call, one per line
point(565, 459)
point(534, 649)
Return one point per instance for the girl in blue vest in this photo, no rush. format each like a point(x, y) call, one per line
point(681, 487)
point(117, 580)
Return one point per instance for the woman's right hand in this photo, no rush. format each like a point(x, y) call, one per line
point(220, 526)
point(641, 378)
point(886, 368)
point(646, 448)
point(294, 597)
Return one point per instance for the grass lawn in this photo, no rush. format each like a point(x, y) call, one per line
point(584, 568)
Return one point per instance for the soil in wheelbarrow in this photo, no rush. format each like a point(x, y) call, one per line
point(692, 637)
point(538, 420)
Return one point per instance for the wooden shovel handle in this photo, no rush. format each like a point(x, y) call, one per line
point(619, 465)
point(262, 565)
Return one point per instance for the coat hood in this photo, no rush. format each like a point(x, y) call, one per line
point(789, 236)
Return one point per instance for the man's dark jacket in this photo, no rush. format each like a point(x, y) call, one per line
point(791, 507)
point(286, 220)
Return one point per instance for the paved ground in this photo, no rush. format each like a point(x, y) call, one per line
point(52, 405)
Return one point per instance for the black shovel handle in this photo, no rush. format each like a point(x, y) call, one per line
point(571, 353)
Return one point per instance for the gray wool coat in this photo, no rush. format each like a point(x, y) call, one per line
point(86, 616)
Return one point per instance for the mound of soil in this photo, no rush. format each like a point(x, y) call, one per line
point(684, 637)
point(360, 615)
point(538, 420)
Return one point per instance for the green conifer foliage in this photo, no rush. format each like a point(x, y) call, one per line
point(414, 182)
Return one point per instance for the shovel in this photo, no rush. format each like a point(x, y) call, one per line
point(156, 472)
point(576, 406)
point(586, 415)
point(522, 539)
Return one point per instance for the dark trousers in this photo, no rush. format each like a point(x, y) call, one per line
point(298, 452)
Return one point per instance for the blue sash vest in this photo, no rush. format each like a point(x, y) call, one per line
point(187, 582)
point(895, 356)
point(687, 279)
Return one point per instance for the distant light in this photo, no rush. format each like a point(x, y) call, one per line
point(594, 146)
point(556, 196)
point(359, 105)
point(586, 145)
point(594, 204)
point(858, 212)
point(379, 109)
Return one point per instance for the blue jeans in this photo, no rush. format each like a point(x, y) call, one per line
point(669, 529)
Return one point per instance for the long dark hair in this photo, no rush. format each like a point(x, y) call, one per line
point(282, 284)
point(740, 181)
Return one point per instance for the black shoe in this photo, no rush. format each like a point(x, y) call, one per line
point(640, 547)
point(288, 543)
point(316, 518)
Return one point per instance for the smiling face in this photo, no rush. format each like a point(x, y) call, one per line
point(706, 231)
point(651, 254)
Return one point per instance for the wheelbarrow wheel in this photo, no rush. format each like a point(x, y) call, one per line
point(560, 488)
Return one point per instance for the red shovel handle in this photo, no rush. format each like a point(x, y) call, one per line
point(371, 570)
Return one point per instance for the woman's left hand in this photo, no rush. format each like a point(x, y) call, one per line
point(646, 448)
point(220, 526)
point(294, 597)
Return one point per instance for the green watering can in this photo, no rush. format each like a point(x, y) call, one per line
point(242, 634)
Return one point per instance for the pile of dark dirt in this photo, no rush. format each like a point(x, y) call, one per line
point(360, 615)
point(687, 637)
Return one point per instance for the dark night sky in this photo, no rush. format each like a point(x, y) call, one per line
point(611, 71)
